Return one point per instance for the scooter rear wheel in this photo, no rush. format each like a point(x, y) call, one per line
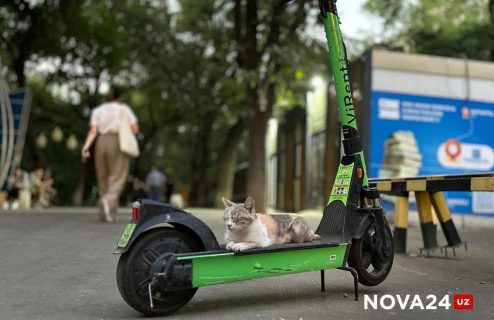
point(368, 258)
point(135, 271)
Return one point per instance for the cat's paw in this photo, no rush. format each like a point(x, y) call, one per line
point(229, 245)
point(239, 246)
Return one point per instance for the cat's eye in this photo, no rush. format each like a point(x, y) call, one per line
point(240, 220)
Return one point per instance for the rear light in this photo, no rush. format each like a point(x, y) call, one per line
point(136, 210)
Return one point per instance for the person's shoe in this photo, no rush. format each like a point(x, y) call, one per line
point(106, 211)
point(105, 208)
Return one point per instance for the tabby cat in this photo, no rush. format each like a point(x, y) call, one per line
point(246, 229)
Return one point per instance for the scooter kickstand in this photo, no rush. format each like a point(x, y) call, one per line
point(323, 284)
point(150, 291)
point(355, 280)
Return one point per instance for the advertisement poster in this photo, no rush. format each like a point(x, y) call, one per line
point(416, 135)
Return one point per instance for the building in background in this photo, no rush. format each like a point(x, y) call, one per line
point(446, 106)
point(417, 114)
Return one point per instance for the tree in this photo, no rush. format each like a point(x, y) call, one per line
point(198, 74)
point(457, 29)
point(264, 35)
point(31, 31)
point(84, 44)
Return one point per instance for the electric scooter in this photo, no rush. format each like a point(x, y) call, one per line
point(167, 253)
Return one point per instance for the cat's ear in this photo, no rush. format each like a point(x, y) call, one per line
point(249, 205)
point(227, 202)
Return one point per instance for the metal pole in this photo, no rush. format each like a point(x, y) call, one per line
point(7, 132)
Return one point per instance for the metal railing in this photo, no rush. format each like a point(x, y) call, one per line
point(428, 191)
point(7, 138)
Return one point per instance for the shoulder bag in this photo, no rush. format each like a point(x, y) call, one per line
point(126, 138)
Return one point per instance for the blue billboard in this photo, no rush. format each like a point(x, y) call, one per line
point(416, 135)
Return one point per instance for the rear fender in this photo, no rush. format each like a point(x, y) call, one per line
point(155, 215)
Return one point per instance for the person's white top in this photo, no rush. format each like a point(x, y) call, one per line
point(107, 115)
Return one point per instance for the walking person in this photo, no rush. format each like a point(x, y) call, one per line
point(112, 165)
point(155, 181)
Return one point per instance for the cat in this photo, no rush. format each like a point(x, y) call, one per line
point(246, 229)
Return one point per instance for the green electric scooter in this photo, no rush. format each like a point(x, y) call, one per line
point(167, 253)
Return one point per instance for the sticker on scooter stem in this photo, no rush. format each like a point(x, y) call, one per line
point(341, 185)
point(124, 239)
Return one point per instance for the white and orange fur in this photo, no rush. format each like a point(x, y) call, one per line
point(246, 229)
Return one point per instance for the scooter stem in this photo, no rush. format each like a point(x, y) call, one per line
point(352, 143)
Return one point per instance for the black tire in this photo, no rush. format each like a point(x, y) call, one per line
point(134, 271)
point(371, 269)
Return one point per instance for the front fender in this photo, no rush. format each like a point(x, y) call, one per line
point(157, 215)
point(365, 219)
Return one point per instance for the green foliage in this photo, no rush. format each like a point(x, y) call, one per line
point(46, 115)
point(441, 27)
point(183, 69)
point(390, 10)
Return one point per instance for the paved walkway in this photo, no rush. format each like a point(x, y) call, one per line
point(57, 264)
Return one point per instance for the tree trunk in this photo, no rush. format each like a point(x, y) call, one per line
point(19, 71)
point(88, 169)
point(201, 189)
point(257, 168)
point(227, 162)
point(34, 152)
point(256, 127)
point(78, 194)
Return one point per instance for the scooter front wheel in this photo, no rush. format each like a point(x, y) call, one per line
point(136, 269)
point(371, 256)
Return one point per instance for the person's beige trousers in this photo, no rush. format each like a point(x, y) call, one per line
point(112, 168)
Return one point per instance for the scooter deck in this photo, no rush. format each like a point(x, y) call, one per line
point(271, 249)
point(223, 266)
